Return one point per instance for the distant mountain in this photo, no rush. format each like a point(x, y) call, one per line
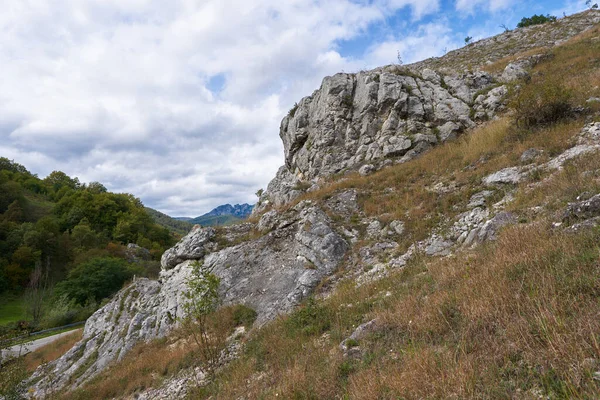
point(239, 210)
point(222, 215)
point(176, 225)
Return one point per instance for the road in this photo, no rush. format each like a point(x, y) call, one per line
point(22, 349)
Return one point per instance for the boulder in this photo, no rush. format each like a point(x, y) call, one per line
point(193, 246)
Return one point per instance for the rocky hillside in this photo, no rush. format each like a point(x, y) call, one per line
point(379, 225)
point(392, 114)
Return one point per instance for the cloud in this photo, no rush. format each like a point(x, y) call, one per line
point(429, 40)
point(178, 103)
point(420, 8)
point(471, 6)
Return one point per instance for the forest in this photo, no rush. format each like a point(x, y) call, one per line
point(65, 246)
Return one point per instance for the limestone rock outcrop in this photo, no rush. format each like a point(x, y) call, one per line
point(270, 274)
point(369, 117)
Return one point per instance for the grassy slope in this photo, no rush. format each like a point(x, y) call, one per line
point(517, 318)
point(12, 309)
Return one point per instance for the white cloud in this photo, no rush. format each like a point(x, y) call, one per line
point(470, 6)
point(430, 40)
point(419, 8)
point(118, 91)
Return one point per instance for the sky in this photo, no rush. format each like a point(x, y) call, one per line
point(179, 102)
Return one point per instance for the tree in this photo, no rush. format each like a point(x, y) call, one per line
point(202, 299)
point(14, 213)
point(58, 179)
point(536, 20)
point(468, 39)
point(94, 280)
point(37, 290)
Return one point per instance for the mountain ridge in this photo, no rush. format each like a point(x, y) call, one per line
point(224, 214)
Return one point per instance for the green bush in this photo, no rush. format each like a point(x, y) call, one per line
point(243, 315)
point(95, 280)
point(536, 20)
point(542, 103)
point(64, 311)
point(311, 319)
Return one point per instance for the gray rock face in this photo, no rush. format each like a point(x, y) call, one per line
point(271, 274)
point(368, 117)
point(143, 311)
point(511, 175)
point(582, 210)
point(530, 155)
point(366, 169)
point(479, 199)
point(275, 272)
point(193, 246)
point(350, 346)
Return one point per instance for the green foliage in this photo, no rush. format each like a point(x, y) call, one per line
point(202, 299)
point(542, 103)
point(311, 319)
point(243, 315)
point(468, 39)
point(59, 222)
point(216, 220)
point(174, 225)
point(12, 375)
point(536, 20)
point(293, 110)
point(13, 371)
point(64, 311)
point(202, 296)
point(94, 280)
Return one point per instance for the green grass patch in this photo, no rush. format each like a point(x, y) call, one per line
point(12, 309)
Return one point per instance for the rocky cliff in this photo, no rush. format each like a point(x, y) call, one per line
point(363, 122)
point(391, 114)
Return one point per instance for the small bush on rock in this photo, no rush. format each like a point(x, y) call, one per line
point(542, 103)
point(536, 20)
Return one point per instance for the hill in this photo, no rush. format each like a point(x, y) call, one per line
point(176, 225)
point(436, 238)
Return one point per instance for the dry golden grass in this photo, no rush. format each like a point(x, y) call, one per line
point(513, 319)
point(500, 65)
point(507, 320)
point(52, 351)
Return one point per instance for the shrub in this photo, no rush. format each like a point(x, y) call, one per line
point(311, 319)
point(202, 300)
point(95, 279)
point(541, 103)
point(65, 311)
point(536, 20)
point(292, 111)
point(243, 315)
